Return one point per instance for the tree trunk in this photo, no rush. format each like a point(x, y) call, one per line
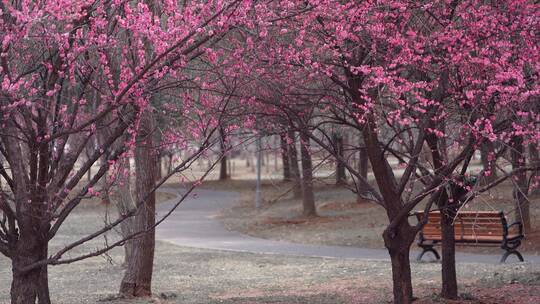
point(89, 173)
point(223, 174)
point(31, 286)
point(520, 184)
point(363, 163)
point(449, 289)
point(159, 169)
point(137, 279)
point(308, 198)
point(341, 177)
point(534, 159)
point(285, 158)
point(105, 187)
point(169, 162)
point(487, 155)
point(295, 170)
point(449, 278)
point(398, 246)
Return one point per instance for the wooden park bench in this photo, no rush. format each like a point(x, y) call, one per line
point(474, 228)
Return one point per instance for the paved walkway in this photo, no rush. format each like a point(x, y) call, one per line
point(195, 224)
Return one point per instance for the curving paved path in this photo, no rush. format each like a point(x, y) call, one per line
point(195, 224)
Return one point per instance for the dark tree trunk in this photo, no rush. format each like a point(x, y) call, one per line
point(285, 158)
point(32, 286)
point(534, 159)
point(448, 249)
point(159, 169)
point(223, 172)
point(89, 173)
point(157, 138)
point(520, 184)
point(363, 163)
point(487, 154)
point(308, 198)
point(341, 177)
point(137, 280)
point(295, 170)
point(398, 244)
point(399, 235)
point(169, 162)
point(449, 278)
point(31, 237)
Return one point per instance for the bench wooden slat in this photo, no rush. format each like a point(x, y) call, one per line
point(472, 227)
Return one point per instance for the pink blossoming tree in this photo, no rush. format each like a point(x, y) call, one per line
point(69, 69)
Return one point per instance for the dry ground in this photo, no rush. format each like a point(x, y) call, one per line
point(196, 276)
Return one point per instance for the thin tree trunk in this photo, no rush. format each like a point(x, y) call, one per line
point(223, 174)
point(223, 162)
point(534, 159)
point(285, 158)
point(295, 170)
point(308, 198)
point(159, 169)
point(341, 177)
point(522, 211)
point(169, 162)
point(363, 163)
point(137, 280)
point(89, 173)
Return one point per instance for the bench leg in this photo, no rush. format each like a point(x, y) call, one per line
point(510, 252)
point(426, 249)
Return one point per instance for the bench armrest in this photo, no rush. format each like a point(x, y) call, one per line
point(520, 227)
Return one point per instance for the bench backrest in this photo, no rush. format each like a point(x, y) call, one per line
point(468, 225)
